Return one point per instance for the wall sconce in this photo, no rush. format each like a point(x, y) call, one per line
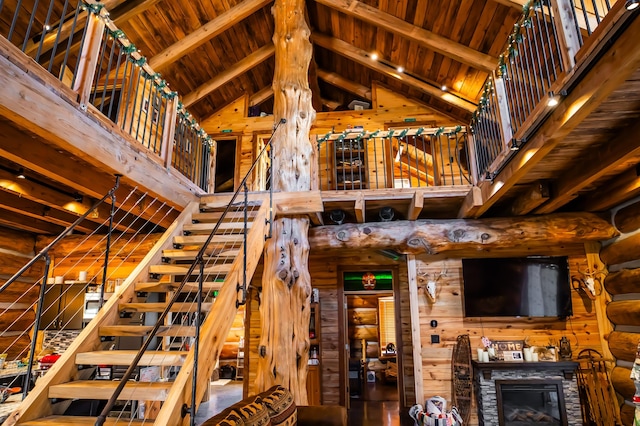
point(337, 216)
point(20, 174)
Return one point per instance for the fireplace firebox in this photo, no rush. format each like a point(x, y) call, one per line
point(527, 393)
point(526, 402)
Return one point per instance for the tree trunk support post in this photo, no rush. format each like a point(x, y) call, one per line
point(286, 284)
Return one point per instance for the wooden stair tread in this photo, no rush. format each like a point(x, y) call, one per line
point(144, 330)
point(215, 216)
point(165, 358)
point(159, 307)
point(206, 228)
point(164, 287)
point(167, 269)
point(187, 240)
point(191, 254)
point(103, 389)
point(82, 421)
point(220, 206)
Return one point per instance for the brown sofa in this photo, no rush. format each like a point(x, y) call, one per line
point(276, 407)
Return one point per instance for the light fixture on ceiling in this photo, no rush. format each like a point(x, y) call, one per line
point(374, 56)
point(20, 174)
point(632, 4)
point(444, 88)
point(553, 100)
point(400, 69)
point(514, 145)
point(77, 197)
point(47, 27)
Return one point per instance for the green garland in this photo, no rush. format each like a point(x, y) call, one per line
point(91, 7)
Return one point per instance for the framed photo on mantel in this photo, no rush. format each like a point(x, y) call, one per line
point(509, 350)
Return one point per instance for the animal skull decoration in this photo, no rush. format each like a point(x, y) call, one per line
point(586, 282)
point(429, 282)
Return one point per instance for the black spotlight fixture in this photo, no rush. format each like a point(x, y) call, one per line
point(514, 145)
point(386, 214)
point(337, 216)
point(632, 4)
point(77, 197)
point(20, 174)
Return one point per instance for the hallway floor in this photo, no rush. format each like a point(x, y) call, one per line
point(362, 413)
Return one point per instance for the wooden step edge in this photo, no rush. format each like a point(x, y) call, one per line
point(103, 389)
point(213, 217)
point(159, 307)
point(164, 287)
point(83, 421)
point(144, 330)
point(178, 254)
point(208, 227)
point(161, 358)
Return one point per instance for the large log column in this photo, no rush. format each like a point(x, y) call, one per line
point(286, 284)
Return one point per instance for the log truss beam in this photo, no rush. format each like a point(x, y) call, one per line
point(229, 74)
point(428, 39)
point(465, 235)
point(211, 29)
point(362, 57)
point(342, 83)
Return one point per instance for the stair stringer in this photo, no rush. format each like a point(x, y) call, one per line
point(37, 404)
point(214, 329)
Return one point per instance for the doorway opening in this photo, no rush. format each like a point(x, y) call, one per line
point(371, 337)
point(225, 165)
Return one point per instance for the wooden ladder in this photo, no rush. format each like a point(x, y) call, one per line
point(159, 272)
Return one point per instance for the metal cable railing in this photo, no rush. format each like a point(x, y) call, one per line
point(44, 254)
point(197, 268)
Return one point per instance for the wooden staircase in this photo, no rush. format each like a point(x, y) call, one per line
point(161, 272)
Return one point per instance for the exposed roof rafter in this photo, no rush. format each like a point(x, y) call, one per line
point(360, 56)
point(211, 29)
point(229, 74)
point(435, 42)
point(342, 83)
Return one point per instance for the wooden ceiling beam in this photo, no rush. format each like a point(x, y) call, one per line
point(622, 150)
point(34, 210)
point(593, 21)
point(619, 189)
point(229, 74)
point(61, 167)
point(533, 197)
point(129, 9)
point(619, 62)
point(428, 39)
point(331, 105)
point(360, 56)
point(261, 96)
point(54, 199)
point(28, 224)
point(211, 29)
point(340, 82)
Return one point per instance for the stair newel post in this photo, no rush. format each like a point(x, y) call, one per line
point(270, 181)
point(106, 253)
point(36, 325)
point(243, 298)
point(196, 346)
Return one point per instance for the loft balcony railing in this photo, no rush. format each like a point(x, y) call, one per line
point(530, 76)
point(77, 42)
point(407, 158)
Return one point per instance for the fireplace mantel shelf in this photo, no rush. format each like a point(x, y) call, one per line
point(568, 367)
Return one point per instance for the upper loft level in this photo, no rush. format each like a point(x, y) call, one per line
point(494, 108)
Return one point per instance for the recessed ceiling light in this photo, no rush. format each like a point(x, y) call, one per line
point(400, 69)
point(374, 56)
point(553, 101)
point(47, 27)
point(444, 88)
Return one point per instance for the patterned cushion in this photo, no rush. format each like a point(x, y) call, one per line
point(282, 408)
point(226, 418)
point(254, 412)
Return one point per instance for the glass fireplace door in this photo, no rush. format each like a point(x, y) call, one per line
point(526, 402)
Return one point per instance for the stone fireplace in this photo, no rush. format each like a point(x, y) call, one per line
point(527, 393)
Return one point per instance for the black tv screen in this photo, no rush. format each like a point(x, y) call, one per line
point(527, 287)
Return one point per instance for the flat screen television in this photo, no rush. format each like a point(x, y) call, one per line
point(518, 287)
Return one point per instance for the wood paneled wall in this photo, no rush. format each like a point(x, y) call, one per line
point(16, 249)
point(622, 258)
point(581, 329)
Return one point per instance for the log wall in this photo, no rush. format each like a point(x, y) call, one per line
point(447, 310)
point(16, 249)
point(622, 258)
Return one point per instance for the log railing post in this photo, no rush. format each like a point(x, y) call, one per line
point(168, 131)
point(473, 160)
point(504, 119)
point(89, 55)
point(569, 39)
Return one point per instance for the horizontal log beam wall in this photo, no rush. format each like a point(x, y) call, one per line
point(622, 257)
